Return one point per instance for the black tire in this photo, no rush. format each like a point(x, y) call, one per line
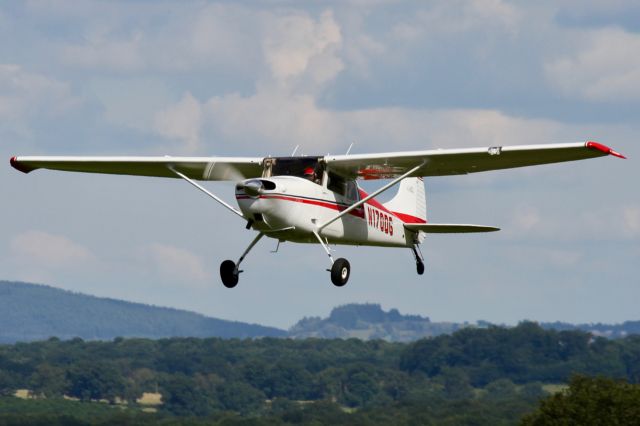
point(228, 274)
point(340, 272)
point(420, 267)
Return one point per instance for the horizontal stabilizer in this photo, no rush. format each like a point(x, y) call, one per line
point(448, 228)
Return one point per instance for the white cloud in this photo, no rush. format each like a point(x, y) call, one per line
point(176, 264)
point(298, 47)
point(282, 121)
point(104, 52)
point(459, 16)
point(24, 93)
point(198, 36)
point(41, 249)
point(544, 256)
point(272, 120)
point(181, 121)
point(632, 220)
point(607, 68)
point(525, 219)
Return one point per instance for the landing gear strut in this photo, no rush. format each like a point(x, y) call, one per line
point(230, 272)
point(419, 259)
point(340, 268)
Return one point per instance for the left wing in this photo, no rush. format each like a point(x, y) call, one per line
point(199, 168)
point(444, 162)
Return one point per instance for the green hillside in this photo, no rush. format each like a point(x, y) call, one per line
point(31, 312)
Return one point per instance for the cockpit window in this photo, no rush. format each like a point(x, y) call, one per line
point(304, 167)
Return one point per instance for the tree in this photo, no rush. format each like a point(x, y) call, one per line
point(500, 389)
point(49, 381)
point(589, 401)
point(183, 397)
point(95, 380)
point(456, 384)
point(240, 397)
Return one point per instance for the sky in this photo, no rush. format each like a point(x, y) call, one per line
point(258, 78)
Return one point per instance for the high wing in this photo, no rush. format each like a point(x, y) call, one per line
point(199, 168)
point(448, 228)
point(444, 162)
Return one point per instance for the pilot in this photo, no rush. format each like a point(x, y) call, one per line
point(310, 174)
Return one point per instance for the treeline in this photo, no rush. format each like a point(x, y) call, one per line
point(495, 374)
point(523, 354)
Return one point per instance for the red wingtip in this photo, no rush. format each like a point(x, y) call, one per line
point(16, 165)
point(604, 148)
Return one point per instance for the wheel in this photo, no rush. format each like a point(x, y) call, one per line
point(228, 274)
point(420, 267)
point(340, 272)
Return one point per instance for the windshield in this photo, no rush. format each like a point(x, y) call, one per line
point(304, 167)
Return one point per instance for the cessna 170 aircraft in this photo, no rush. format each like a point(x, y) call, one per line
point(315, 199)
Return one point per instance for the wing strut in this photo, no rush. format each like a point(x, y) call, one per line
point(201, 188)
point(368, 197)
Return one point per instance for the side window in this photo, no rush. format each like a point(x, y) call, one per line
point(352, 191)
point(337, 184)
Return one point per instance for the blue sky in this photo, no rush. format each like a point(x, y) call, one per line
point(259, 78)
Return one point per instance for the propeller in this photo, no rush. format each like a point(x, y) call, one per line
point(252, 188)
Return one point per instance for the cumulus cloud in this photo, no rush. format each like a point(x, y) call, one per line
point(632, 220)
point(459, 16)
point(102, 51)
point(176, 264)
point(298, 47)
point(548, 256)
point(24, 93)
point(181, 122)
point(606, 68)
point(525, 219)
point(283, 121)
point(40, 249)
point(199, 35)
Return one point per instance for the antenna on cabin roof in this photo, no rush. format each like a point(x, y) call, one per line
point(295, 150)
point(349, 150)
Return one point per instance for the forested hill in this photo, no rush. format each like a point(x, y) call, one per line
point(370, 321)
point(31, 312)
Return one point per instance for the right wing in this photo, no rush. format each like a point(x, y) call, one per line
point(448, 228)
point(445, 162)
point(199, 168)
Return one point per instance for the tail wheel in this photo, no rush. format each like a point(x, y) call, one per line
point(229, 274)
point(340, 272)
point(420, 267)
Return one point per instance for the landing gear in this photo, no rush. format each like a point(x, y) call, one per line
point(230, 272)
point(340, 268)
point(340, 272)
point(419, 259)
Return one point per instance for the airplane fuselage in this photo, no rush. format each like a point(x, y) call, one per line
point(290, 208)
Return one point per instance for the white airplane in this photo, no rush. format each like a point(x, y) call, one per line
point(315, 199)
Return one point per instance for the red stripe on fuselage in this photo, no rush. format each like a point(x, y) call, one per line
point(406, 218)
point(358, 212)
